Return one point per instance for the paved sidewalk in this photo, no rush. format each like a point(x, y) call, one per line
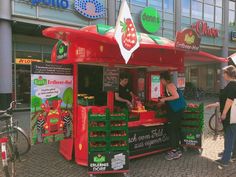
point(45, 161)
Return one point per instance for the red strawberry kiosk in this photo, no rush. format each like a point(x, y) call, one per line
point(96, 60)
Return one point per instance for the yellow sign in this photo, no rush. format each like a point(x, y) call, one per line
point(26, 61)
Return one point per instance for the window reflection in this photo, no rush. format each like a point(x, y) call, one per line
point(219, 3)
point(196, 9)
point(208, 12)
point(156, 3)
point(169, 6)
point(218, 16)
point(209, 1)
point(231, 18)
point(231, 5)
point(139, 2)
point(186, 7)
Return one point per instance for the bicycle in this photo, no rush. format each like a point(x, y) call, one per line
point(214, 121)
point(14, 141)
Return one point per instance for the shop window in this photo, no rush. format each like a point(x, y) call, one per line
point(218, 15)
point(219, 3)
point(185, 20)
point(197, 10)
point(139, 2)
point(210, 78)
point(22, 85)
point(185, 7)
point(209, 1)
point(156, 3)
point(208, 12)
point(231, 18)
point(90, 80)
point(231, 5)
point(168, 16)
point(28, 47)
point(168, 25)
point(169, 6)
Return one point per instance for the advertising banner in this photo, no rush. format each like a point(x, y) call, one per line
point(99, 162)
point(155, 87)
point(187, 40)
point(51, 102)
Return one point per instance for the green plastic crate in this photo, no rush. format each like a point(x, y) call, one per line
point(97, 117)
point(193, 115)
point(200, 108)
point(192, 123)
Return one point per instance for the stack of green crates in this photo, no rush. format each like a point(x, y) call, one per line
point(119, 132)
point(194, 118)
point(98, 131)
point(192, 126)
point(107, 132)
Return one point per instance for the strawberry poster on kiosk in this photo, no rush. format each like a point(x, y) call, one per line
point(51, 102)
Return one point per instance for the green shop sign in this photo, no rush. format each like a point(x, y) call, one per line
point(150, 19)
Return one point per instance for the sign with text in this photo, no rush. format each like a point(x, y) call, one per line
point(26, 61)
point(51, 102)
point(64, 4)
point(203, 29)
point(110, 79)
point(147, 139)
point(150, 19)
point(188, 40)
point(191, 138)
point(100, 162)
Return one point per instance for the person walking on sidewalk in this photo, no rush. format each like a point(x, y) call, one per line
point(174, 117)
point(227, 96)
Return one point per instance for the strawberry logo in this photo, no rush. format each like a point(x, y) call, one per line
point(129, 36)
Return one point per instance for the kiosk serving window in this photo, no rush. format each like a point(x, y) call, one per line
point(90, 88)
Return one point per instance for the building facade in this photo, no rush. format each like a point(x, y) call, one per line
point(22, 22)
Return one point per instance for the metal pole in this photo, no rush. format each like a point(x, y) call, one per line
point(5, 54)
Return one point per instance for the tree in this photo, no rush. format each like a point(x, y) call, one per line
point(68, 96)
point(36, 102)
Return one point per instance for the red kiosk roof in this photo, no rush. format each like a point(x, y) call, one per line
point(96, 44)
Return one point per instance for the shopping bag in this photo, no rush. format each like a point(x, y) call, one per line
point(178, 104)
point(233, 113)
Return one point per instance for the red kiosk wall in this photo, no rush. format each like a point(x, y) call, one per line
point(66, 145)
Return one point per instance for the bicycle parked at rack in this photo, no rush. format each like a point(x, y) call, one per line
point(14, 141)
point(214, 121)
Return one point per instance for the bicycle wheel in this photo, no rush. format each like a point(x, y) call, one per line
point(212, 124)
point(21, 141)
point(8, 159)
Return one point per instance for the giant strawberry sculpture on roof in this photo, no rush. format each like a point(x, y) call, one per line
point(129, 36)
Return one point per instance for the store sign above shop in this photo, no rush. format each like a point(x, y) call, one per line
point(203, 29)
point(53, 3)
point(26, 61)
point(233, 35)
point(150, 19)
point(187, 39)
point(92, 9)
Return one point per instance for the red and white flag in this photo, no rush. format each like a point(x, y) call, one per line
point(125, 32)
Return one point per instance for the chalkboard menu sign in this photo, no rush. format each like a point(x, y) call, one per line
point(110, 79)
point(147, 139)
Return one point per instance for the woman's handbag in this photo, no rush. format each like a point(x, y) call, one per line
point(233, 113)
point(178, 104)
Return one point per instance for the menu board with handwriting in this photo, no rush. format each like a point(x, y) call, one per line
point(110, 79)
